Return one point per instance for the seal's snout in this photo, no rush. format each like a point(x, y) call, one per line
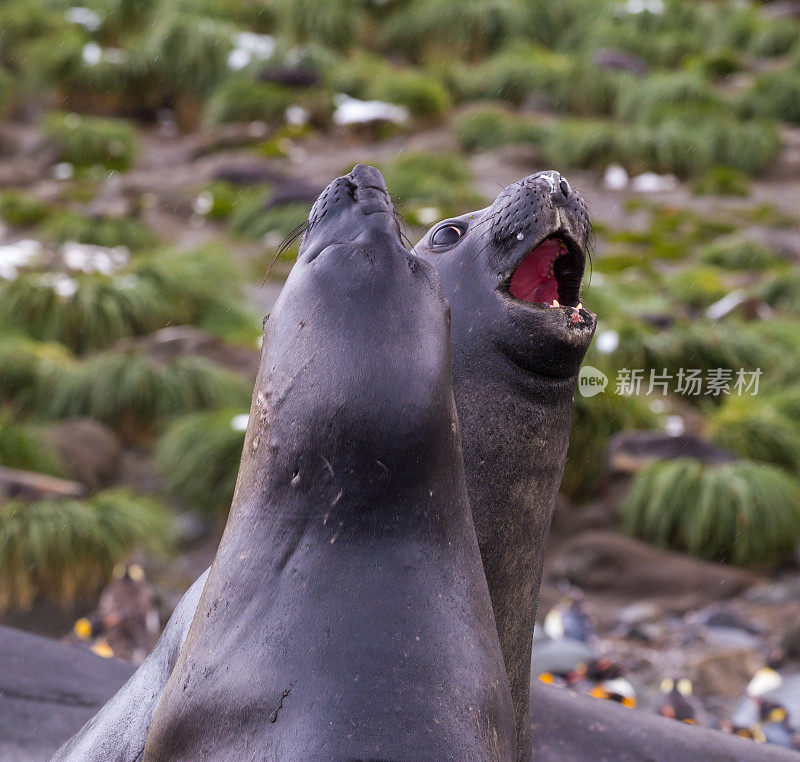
point(360, 193)
point(557, 186)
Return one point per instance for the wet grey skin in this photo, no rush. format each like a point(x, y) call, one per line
point(346, 613)
point(514, 376)
point(515, 367)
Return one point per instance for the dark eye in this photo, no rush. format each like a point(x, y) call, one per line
point(447, 235)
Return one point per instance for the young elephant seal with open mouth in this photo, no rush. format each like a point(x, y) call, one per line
point(512, 273)
point(346, 614)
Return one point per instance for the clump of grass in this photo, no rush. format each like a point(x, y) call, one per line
point(91, 311)
point(132, 393)
point(698, 346)
point(722, 181)
point(99, 312)
point(489, 127)
point(419, 92)
point(781, 290)
point(741, 512)
point(242, 100)
point(514, 74)
point(467, 30)
point(671, 146)
point(23, 447)
point(61, 548)
point(738, 253)
point(199, 458)
point(64, 225)
point(187, 52)
point(649, 99)
point(594, 421)
point(698, 287)
point(439, 179)
point(334, 23)
point(26, 368)
point(205, 287)
point(22, 209)
point(758, 430)
point(253, 219)
point(85, 141)
point(775, 94)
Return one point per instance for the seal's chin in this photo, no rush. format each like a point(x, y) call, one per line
point(550, 274)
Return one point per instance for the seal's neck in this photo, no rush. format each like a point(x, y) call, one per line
point(515, 429)
point(324, 474)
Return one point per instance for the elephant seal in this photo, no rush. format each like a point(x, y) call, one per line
point(514, 376)
point(512, 273)
point(346, 614)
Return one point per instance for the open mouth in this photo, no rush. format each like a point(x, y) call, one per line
point(550, 274)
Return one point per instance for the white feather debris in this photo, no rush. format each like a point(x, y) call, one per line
point(656, 7)
point(85, 17)
point(61, 283)
point(727, 304)
point(16, 255)
point(650, 182)
point(615, 177)
point(92, 54)
point(63, 171)
point(249, 46)
point(239, 422)
point(297, 116)
point(607, 342)
point(427, 215)
point(87, 258)
point(353, 111)
point(203, 204)
point(674, 425)
point(127, 281)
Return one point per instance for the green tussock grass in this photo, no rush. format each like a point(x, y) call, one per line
point(439, 28)
point(487, 127)
point(759, 430)
point(437, 179)
point(85, 141)
point(25, 448)
point(198, 456)
point(739, 253)
point(61, 548)
point(594, 421)
point(22, 209)
point(64, 225)
point(741, 512)
point(204, 288)
point(131, 393)
point(101, 311)
point(26, 368)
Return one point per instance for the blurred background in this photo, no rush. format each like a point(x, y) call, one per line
point(154, 154)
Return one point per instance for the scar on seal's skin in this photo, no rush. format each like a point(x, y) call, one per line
point(274, 716)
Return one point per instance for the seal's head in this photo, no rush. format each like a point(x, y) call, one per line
point(512, 273)
point(357, 348)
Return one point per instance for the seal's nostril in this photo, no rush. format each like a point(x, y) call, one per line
point(564, 187)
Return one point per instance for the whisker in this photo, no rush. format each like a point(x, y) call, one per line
point(284, 245)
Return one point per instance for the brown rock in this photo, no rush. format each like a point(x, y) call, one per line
point(177, 341)
point(603, 561)
point(630, 451)
point(725, 673)
point(91, 452)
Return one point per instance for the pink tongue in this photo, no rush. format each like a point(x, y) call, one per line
point(533, 280)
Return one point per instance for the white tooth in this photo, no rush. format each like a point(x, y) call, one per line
point(555, 303)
